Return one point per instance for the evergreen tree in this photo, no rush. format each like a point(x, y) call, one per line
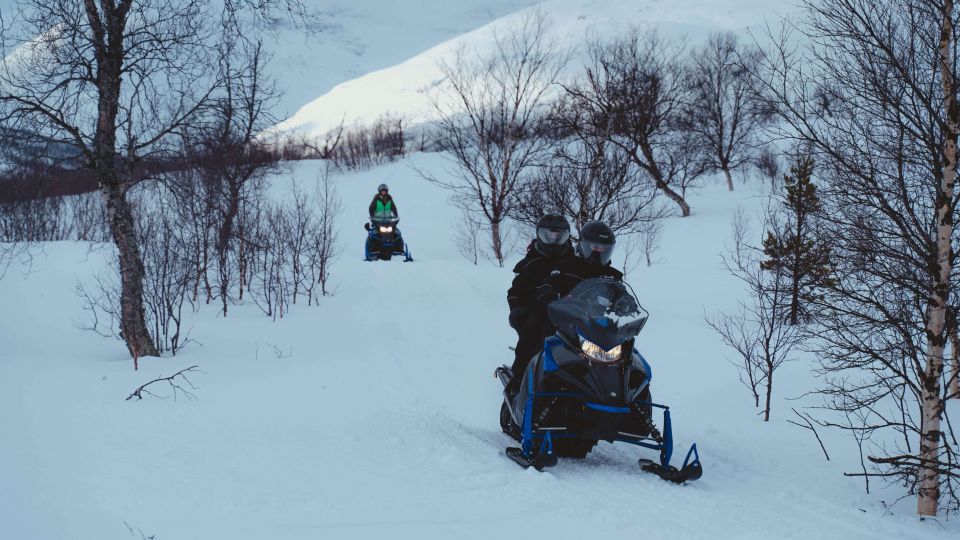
point(794, 250)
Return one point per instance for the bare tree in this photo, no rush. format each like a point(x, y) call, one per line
point(634, 92)
point(721, 110)
point(767, 163)
point(759, 332)
point(490, 120)
point(872, 93)
point(468, 236)
point(588, 177)
point(650, 240)
point(168, 270)
point(118, 80)
point(324, 239)
point(229, 156)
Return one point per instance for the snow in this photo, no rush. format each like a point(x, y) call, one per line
point(375, 413)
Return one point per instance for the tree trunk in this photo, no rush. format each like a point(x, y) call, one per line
point(931, 402)
point(726, 172)
point(675, 197)
point(108, 30)
point(955, 372)
point(497, 242)
point(133, 325)
point(766, 407)
point(651, 166)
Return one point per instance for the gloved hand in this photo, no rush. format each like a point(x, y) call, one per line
point(366, 226)
point(625, 305)
point(546, 293)
point(518, 317)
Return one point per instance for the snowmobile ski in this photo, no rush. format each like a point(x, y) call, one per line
point(537, 460)
point(690, 471)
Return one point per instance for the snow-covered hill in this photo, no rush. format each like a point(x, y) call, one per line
point(353, 38)
point(375, 414)
point(407, 87)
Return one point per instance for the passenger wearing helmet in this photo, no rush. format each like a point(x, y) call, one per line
point(549, 252)
point(593, 252)
point(382, 203)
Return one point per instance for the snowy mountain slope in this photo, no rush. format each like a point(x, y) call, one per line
point(406, 88)
point(354, 38)
point(375, 414)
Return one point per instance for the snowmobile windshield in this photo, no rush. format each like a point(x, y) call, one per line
point(603, 311)
point(385, 218)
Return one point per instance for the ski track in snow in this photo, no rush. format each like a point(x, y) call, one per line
point(379, 417)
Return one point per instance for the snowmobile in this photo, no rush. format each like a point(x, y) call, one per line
point(589, 384)
point(384, 239)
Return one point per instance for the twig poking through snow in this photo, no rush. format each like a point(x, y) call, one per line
point(809, 425)
point(171, 380)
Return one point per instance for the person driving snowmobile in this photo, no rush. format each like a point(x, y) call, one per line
point(550, 246)
point(541, 279)
point(383, 203)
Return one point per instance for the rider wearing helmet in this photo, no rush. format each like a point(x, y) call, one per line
point(596, 244)
point(548, 253)
point(382, 203)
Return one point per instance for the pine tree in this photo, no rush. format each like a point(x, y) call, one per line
point(794, 250)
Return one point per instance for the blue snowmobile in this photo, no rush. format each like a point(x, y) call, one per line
point(589, 384)
point(384, 239)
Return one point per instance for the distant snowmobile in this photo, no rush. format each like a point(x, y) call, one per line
point(384, 239)
point(590, 384)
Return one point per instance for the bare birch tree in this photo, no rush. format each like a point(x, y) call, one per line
point(721, 110)
point(872, 94)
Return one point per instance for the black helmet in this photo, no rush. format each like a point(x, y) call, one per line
point(383, 187)
point(553, 233)
point(596, 243)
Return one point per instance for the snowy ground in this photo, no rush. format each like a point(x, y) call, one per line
point(375, 414)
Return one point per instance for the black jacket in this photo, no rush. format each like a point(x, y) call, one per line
point(387, 199)
point(540, 279)
point(572, 272)
point(530, 272)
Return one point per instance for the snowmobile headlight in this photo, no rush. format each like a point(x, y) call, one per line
point(386, 229)
point(595, 352)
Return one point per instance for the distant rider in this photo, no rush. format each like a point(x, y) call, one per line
point(382, 203)
point(548, 272)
